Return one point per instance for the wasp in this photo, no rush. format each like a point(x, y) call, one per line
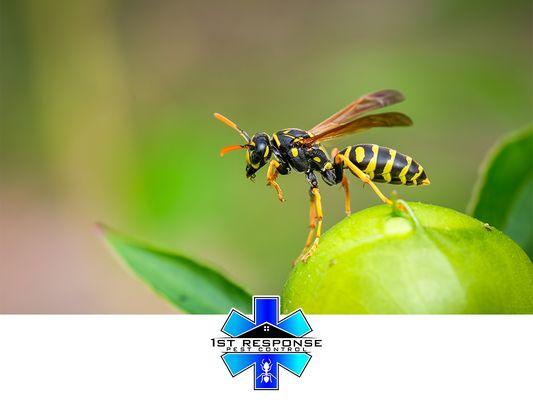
point(302, 150)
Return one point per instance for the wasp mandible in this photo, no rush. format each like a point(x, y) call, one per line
point(302, 150)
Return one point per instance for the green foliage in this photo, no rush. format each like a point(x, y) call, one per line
point(430, 260)
point(186, 283)
point(504, 192)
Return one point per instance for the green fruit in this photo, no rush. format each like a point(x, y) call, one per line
point(435, 260)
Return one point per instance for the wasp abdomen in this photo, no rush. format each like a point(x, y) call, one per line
point(382, 164)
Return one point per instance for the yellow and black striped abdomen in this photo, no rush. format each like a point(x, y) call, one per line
point(382, 164)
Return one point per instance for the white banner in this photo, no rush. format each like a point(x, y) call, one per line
point(174, 357)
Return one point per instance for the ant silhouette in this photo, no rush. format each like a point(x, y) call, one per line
point(266, 376)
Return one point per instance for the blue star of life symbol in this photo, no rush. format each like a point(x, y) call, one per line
point(266, 324)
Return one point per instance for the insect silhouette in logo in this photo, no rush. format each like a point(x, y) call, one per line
point(302, 150)
point(266, 367)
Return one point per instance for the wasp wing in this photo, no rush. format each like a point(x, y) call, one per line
point(369, 102)
point(360, 124)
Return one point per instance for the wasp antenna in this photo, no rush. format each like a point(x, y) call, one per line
point(226, 120)
point(227, 149)
point(233, 125)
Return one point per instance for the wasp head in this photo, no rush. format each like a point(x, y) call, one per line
point(257, 153)
point(257, 148)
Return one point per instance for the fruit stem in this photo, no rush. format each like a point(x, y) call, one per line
point(406, 209)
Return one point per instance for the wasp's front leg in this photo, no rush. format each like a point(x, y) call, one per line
point(272, 175)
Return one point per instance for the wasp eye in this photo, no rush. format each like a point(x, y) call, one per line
point(253, 157)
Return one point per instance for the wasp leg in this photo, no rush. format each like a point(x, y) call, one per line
point(344, 180)
point(272, 175)
point(319, 216)
point(364, 177)
point(312, 226)
point(346, 185)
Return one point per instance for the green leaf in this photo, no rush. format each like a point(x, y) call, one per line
point(184, 282)
point(503, 194)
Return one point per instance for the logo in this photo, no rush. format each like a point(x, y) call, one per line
point(266, 343)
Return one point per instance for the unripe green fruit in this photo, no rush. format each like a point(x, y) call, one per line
point(376, 262)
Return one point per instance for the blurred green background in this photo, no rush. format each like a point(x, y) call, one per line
point(106, 115)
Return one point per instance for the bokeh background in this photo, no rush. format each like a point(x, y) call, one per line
point(106, 115)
